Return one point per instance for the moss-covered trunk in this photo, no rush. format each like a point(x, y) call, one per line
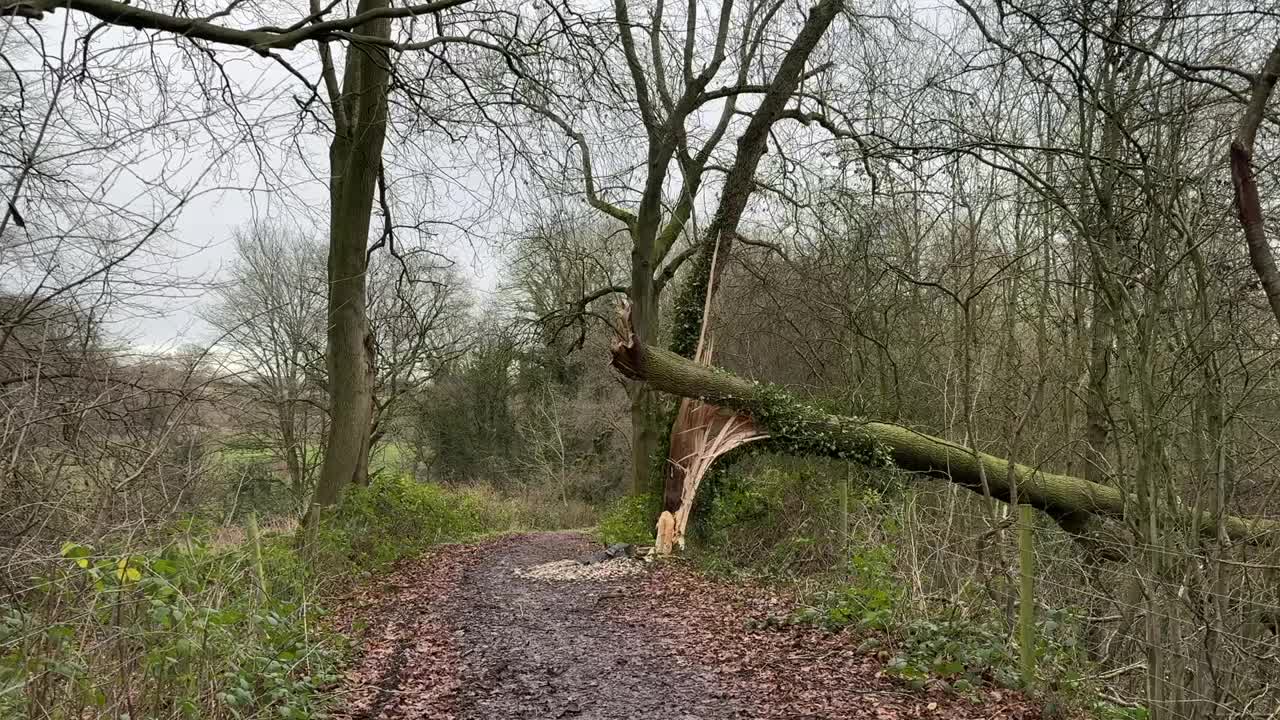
point(797, 427)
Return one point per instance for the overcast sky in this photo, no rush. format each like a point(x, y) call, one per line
point(230, 176)
point(296, 196)
point(260, 159)
point(206, 228)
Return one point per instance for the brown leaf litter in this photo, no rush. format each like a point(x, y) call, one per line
point(470, 631)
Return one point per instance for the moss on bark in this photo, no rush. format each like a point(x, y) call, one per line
point(800, 428)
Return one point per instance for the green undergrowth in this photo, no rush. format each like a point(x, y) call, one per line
point(187, 627)
point(838, 536)
point(396, 517)
point(629, 519)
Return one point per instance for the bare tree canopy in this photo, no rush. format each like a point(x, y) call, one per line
point(955, 324)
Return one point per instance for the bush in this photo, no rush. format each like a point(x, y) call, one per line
point(254, 484)
point(182, 631)
point(185, 630)
point(782, 515)
point(630, 520)
point(782, 518)
point(961, 651)
point(541, 507)
point(396, 517)
point(873, 599)
point(964, 650)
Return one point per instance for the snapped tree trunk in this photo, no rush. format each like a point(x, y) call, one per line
point(798, 428)
point(703, 280)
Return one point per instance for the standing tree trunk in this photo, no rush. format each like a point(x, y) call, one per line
point(355, 156)
point(292, 452)
point(644, 430)
point(1097, 394)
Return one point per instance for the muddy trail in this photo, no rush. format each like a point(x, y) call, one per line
point(460, 634)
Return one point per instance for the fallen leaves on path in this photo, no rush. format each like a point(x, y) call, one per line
point(469, 632)
point(408, 658)
point(795, 672)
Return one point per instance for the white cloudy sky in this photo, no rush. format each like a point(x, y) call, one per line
point(278, 177)
point(210, 222)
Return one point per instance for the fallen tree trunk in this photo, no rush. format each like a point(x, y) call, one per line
point(798, 428)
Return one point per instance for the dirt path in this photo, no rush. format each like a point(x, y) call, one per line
point(459, 635)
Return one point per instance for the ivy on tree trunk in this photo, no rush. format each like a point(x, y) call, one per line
point(799, 428)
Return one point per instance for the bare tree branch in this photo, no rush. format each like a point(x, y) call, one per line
point(1248, 205)
point(259, 40)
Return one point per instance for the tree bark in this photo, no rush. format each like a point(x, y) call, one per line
point(1097, 393)
point(286, 410)
point(1248, 205)
point(799, 428)
point(708, 265)
point(354, 156)
point(644, 431)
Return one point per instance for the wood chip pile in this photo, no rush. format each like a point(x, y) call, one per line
point(616, 561)
point(574, 571)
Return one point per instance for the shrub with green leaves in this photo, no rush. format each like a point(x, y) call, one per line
point(255, 484)
point(630, 520)
point(186, 630)
point(397, 517)
point(871, 599)
point(962, 651)
point(777, 515)
point(182, 631)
